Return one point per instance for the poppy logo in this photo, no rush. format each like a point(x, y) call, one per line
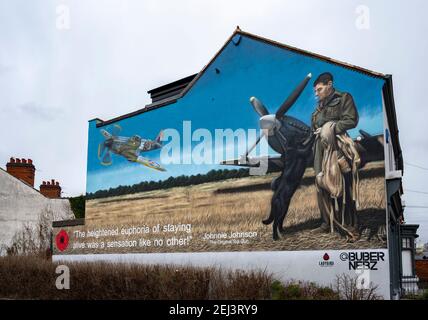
point(61, 240)
point(326, 262)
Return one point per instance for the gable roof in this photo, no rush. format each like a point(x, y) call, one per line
point(178, 94)
point(181, 93)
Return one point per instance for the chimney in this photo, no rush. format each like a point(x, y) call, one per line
point(22, 169)
point(50, 189)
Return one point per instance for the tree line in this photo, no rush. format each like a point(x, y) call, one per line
point(171, 182)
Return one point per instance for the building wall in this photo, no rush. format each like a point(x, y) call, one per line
point(20, 204)
point(220, 99)
point(282, 265)
point(390, 165)
point(406, 258)
point(422, 269)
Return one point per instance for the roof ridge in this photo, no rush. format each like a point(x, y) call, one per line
point(314, 55)
point(24, 182)
point(238, 30)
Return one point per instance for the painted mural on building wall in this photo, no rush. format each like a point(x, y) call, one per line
point(268, 150)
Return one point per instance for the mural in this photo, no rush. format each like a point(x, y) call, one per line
point(268, 150)
point(128, 147)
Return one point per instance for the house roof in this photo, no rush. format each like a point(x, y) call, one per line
point(22, 181)
point(195, 77)
point(170, 89)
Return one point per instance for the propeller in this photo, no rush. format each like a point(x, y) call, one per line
point(270, 123)
point(106, 159)
point(259, 106)
point(245, 158)
point(116, 130)
point(292, 97)
point(101, 148)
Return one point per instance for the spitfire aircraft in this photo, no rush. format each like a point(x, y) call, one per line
point(128, 147)
point(292, 139)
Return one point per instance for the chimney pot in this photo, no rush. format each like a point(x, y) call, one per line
point(25, 172)
point(51, 189)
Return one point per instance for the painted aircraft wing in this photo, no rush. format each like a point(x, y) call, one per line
point(275, 163)
point(105, 134)
point(148, 145)
point(369, 146)
point(149, 163)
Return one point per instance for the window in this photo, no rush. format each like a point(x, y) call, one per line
point(406, 243)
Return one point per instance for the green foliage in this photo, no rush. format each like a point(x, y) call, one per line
point(171, 182)
point(301, 291)
point(416, 296)
point(277, 288)
point(327, 293)
point(293, 291)
point(78, 206)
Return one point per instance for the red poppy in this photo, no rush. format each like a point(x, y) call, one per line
point(61, 240)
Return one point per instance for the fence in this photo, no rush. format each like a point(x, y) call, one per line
point(413, 286)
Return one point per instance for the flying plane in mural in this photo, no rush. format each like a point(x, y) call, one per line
point(128, 147)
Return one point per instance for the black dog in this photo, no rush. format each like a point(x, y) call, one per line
point(295, 161)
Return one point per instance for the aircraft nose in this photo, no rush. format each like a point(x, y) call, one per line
point(268, 122)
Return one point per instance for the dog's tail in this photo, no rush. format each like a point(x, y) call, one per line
point(274, 212)
point(269, 219)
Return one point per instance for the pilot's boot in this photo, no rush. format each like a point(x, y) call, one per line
point(324, 212)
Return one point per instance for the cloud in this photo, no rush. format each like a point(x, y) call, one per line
point(38, 111)
point(5, 69)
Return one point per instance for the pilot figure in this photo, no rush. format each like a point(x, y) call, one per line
point(336, 110)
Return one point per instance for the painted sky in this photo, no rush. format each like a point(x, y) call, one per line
point(220, 100)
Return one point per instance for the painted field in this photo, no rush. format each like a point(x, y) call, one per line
point(227, 215)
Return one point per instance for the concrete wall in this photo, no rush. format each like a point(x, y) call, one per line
point(21, 204)
point(282, 265)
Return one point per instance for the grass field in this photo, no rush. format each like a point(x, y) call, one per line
point(239, 205)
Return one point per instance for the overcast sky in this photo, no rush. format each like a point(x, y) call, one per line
point(57, 73)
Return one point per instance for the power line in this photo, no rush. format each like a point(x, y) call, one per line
point(416, 166)
point(415, 191)
point(417, 207)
